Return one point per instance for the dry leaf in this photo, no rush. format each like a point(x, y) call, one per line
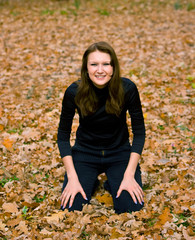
point(8, 143)
point(106, 199)
point(10, 207)
point(154, 41)
point(55, 218)
point(186, 235)
point(45, 232)
point(22, 227)
point(2, 226)
point(163, 218)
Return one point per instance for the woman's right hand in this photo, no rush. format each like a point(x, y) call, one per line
point(73, 187)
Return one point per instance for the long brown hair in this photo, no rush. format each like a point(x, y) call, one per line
point(86, 98)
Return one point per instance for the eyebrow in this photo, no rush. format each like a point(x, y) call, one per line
point(94, 61)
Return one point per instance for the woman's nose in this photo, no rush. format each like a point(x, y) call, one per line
point(100, 68)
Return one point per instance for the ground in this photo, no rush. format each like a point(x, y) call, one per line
point(41, 47)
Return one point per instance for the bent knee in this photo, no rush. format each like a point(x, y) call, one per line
point(125, 203)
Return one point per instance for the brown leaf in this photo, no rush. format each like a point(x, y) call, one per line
point(13, 222)
point(22, 227)
point(30, 134)
point(10, 207)
point(45, 232)
point(186, 235)
point(2, 226)
point(55, 218)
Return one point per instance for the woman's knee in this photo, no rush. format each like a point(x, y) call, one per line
point(125, 203)
point(78, 203)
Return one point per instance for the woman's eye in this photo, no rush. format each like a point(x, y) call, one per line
point(93, 64)
point(106, 64)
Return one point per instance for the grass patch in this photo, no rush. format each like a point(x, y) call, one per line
point(39, 199)
point(103, 12)
point(3, 181)
point(47, 12)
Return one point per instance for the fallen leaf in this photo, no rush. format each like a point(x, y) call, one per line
point(10, 207)
point(22, 227)
point(163, 218)
point(55, 218)
point(2, 226)
point(8, 143)
point(45, 232)
point(186, 235)
point(106, 199)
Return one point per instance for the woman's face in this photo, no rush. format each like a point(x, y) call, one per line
point(99, 68)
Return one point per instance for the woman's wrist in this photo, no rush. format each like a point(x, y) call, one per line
point(129, 174)
point(69, 166)
point(72, 175)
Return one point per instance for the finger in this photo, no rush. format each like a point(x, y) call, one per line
point(119, 192)
point(71, 201)
point(133, 197)
point(141, 190)
point(138, 196)
point(83, 194)
point(65, 200)
point(141, 193)
point(63, 193)
point(63, 196)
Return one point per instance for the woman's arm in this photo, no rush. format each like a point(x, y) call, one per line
point(73, 185)
point(68, 111)
point(129, 183)
point(138, 129)
point(66, 118)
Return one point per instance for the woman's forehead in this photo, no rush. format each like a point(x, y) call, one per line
point(99, 56)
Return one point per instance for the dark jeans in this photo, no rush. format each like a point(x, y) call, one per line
point(89, 164)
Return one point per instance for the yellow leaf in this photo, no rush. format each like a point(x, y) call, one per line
point(145, 115)
point(115, 234)
point(106, 199)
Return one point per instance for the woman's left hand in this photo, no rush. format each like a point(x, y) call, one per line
point(130, 185)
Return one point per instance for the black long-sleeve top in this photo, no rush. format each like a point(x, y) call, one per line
point(102, 131)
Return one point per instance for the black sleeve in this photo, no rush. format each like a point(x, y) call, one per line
point(65, 124)
point(137, 119)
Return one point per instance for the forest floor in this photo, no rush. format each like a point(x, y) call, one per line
point(41, 47)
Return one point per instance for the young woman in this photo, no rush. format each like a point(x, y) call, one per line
point(102, 99)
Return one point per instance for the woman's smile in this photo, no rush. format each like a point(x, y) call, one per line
point(99, 68)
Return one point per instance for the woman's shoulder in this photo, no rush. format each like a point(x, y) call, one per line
point(128, 84)
point(72, 88)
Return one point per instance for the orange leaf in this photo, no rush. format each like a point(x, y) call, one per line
point(1, 127)
point(163, 218)
point(8, 143)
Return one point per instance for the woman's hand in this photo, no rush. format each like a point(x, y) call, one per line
point(70, 191)
point(130, 185)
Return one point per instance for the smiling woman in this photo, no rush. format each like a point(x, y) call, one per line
point(102, 99)
point(99, 68)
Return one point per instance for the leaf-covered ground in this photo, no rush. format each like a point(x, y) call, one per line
point(41, 46)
